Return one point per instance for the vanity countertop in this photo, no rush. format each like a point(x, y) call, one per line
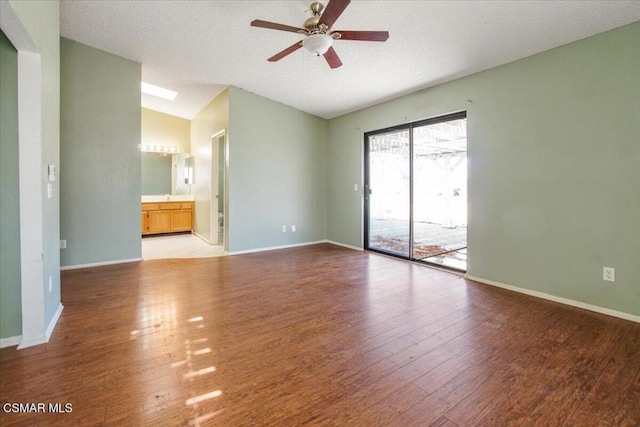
point(166, 198)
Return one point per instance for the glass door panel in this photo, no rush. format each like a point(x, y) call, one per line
point(388, 192)
point(440, 193)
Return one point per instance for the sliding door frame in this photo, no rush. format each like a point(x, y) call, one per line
point(367, 177)
point(368, 190)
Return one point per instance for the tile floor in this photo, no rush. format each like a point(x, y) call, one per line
point(178, 246)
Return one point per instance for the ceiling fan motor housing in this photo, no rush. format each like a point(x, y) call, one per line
point(312, 24)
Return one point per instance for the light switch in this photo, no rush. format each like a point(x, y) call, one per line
point(51, 170)
point(355, 187)
point(49, 190)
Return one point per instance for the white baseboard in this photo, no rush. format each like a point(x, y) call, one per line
point(273, 248)
point(10, 341)
point(554, 298)
point(41, 339)
point(54, 322)
point(100, 264)
point(355, 248)
point(203, 238)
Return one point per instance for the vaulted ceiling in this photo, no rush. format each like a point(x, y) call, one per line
point(199, 47)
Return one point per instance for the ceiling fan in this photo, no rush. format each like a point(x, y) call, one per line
point(319, 36)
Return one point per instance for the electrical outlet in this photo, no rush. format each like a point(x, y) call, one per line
point(293, 228)
point(284, 228)
point(609, 274)
point(50, 283)
point(63, 244)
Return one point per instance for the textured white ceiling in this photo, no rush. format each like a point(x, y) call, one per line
point(198, 47)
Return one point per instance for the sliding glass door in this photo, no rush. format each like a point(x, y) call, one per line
point(388, 192)
point(416, 191)
point(440, 193)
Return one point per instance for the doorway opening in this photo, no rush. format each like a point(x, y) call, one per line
point(416, 191)
point(217, 189)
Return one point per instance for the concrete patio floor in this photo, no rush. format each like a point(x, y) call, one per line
point(433, 243)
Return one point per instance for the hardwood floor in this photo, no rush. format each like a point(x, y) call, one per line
point(319, 335)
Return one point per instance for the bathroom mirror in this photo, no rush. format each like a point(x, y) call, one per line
point(188, 170)
point(164, 173)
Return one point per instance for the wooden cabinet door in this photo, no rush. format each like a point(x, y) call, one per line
point(159, 221)
point(181, 220)
point(143, 222)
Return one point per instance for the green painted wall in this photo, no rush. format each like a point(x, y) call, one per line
point(156, 174)
point(277, 173)
point(100, 158)
point(554, 168)
point(10, 299)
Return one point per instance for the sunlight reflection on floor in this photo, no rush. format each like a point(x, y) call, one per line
point(194, 356)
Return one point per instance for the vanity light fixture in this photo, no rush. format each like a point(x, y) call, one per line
point(158, 91)
point(147, 148)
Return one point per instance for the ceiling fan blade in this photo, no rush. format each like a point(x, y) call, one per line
point(369, 36)
point(333, 11)
point(275, 26)
point(287, 51)
point(332, 58)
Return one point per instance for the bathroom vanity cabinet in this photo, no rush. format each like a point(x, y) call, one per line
point(166, 217)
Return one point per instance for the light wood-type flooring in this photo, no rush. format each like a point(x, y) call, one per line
point(319, 335)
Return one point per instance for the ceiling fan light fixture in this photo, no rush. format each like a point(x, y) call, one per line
point(318, 44)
